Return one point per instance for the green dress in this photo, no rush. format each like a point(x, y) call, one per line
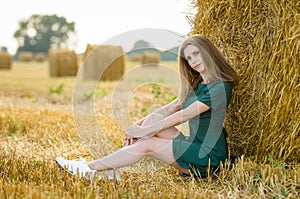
point(206, 144)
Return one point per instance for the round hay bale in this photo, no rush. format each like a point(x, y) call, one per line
point(150, 59)
point(136, 58)
point(5, 60)
point(25, 56)
point(88, 49)
point(62, 63)
point(104, 62)
point(262, 41)
point(40, 57)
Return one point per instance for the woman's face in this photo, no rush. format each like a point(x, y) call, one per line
point(193, 57)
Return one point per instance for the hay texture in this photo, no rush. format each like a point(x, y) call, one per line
point(5, 60)
point(150, 59)
point(103, 62)
point(25, 56)
point(62, 63)
point(262, 41)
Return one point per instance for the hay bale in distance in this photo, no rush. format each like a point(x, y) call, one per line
point(62, 63)
point(25, 56)
point(261, 40)
point(40, 57)
point(150, 59)
point(103, 62)
point(5, 60)
point(136, 58)
point(88, 49)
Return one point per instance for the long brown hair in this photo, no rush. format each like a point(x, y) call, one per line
point(214, 62)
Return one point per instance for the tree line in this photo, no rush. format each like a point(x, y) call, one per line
point(39, 33)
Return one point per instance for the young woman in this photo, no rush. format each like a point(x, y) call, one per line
point(207, 81)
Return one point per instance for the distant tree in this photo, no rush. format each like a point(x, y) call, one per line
point(39, 33)
point(141, 47)
point(170, 54)
point(3, 49)
point(141, 44)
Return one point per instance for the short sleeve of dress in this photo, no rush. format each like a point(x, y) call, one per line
point(216, 95)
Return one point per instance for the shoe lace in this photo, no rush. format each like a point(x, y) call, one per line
point(80, 159)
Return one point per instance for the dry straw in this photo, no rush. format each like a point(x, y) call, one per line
point(62, 63)
point(261, 40)
point(5, 60)
point(29, 146)
point(104, 62)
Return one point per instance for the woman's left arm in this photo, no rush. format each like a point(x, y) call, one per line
point(172, 120)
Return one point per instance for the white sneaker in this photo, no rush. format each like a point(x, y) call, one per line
point(79, 167)
point(76, 167)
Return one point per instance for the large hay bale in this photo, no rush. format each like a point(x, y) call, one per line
point(104, 62)
point(62, 63)
point(25, 56)
point(262, 41)
point(5, 60)
point(150, 59)
point(88, 49)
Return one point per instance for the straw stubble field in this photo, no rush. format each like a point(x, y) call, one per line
point(37, 125)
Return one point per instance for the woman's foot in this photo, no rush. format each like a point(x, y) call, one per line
point(79, 167)
point(76, 167)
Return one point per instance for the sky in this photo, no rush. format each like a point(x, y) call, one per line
point(160, 22)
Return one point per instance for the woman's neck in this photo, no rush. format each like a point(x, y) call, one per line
point(205, 79)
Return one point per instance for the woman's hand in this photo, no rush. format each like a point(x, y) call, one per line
point(130, 137)
point(129, 141)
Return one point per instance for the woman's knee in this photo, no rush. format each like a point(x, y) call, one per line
point(155, 144)
point(146, 145)
point(142, 145)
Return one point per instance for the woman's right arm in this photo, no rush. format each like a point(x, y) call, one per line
point(168, 109)
point(164, 111)
point(176, 118)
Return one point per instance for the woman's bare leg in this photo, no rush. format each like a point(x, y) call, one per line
point(169, 133)
point(158, 148)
